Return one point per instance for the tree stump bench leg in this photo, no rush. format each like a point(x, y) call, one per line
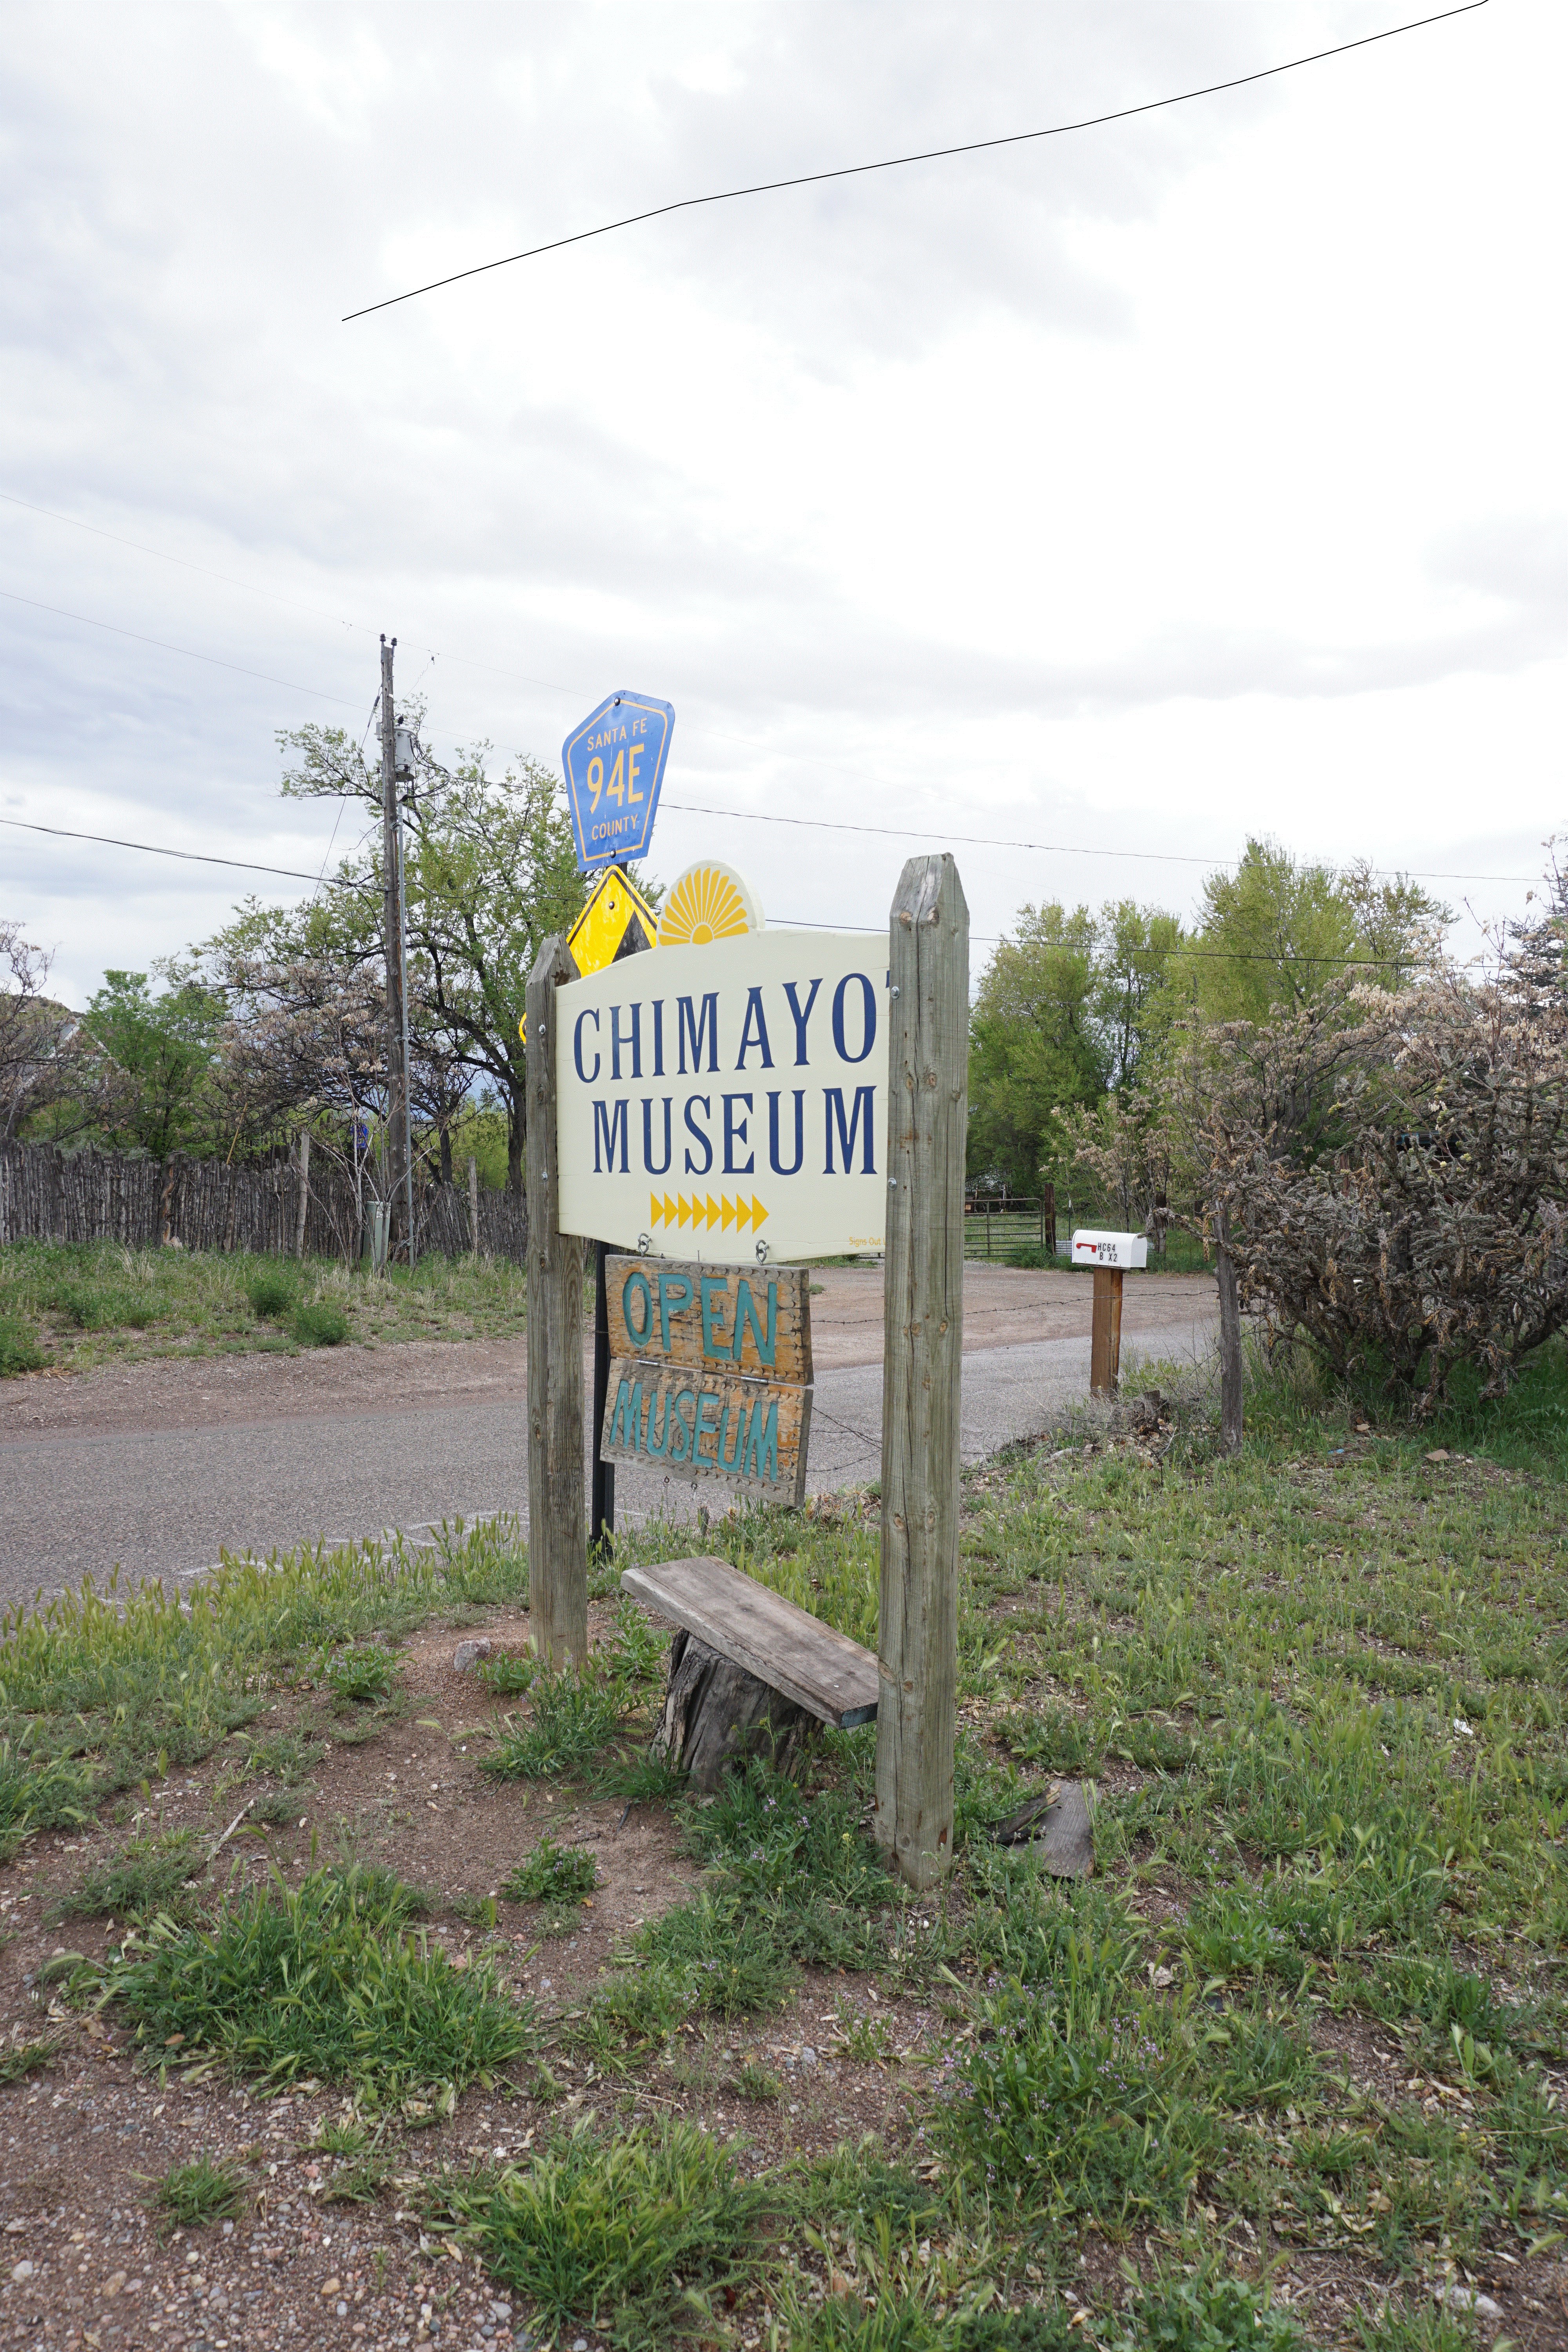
point(717, 1717)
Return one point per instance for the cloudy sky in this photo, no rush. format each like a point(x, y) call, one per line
point(1120, 494)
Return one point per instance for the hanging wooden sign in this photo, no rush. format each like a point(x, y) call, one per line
point(753, 1319)
point(711, 1371)
point(695, 1422)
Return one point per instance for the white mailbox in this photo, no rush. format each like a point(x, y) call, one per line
point(1118, 1250)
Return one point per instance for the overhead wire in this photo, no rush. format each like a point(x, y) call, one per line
point(188, 652)
point(988, 939)
point(193, 856)
point(1050, 848)
point(921, 155)
point(688, 808)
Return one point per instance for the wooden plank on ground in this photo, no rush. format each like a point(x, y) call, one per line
point(786, 1647)
point(752, 1319)
point(1059, 1824)
point(696, 1423)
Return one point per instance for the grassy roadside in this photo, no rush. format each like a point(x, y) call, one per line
point(1292, 2060)
point(67, 1308)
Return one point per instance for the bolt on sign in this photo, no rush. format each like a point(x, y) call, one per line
point(730, 1098)
point(615, 765)
point(711, 1371)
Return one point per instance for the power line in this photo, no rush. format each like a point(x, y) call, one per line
point(1050, 848)
point(119, 539)
point(1215, 955)
point(163, 645)
point(345, 882)
point(195, 856)
point(692, 808)
point(714, 734)
point(925, 155)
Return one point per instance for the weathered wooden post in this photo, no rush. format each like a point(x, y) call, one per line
point(1105, 1332)
point(928, 1092)
point(557, 1527)
point(303, 1206)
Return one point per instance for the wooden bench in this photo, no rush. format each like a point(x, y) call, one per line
point(746, 1666)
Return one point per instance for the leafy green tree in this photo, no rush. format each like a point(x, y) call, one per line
point(162, 1054)
point(1278, 933)
point(1035, 1043)
point(1071, 1006)
point(1135, 999)
point(490, 873)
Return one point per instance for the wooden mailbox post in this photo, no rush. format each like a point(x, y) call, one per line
point(1110, 1255)
point(916, 1639)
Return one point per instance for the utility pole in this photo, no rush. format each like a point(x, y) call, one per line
point(400, 1158)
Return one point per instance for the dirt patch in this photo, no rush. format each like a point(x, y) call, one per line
point(1002, 1306)
point(85, 2137)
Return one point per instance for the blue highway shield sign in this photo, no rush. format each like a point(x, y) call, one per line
point(615, 766)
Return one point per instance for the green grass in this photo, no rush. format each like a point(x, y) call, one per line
point(1208, 2313)
point(20, 2059)
point(789, 1881)
point(191, 2195)
point(37, 1792)
point(146, 1881)
point(633, 2234)
point(508, 1673)
point(19, 1348)
point(362, 1676)
point(126, 1681)
point(272, 1289)
point(319, 1323)
point(552, 1873)
point(1324, 1689)
point(322, 1982)
point(573, 1718)
point(78, 1305)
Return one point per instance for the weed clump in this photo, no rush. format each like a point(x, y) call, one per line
point(509, 1675)
point(20, 2059)
point(552, 1873)
point(272, 1291)
point(321, 1981)
point(363, 1676)
point(147, 1881)
point(317, 1323)
point(1080, 2096)
point(573, 1718)
point(1210, 2313)
point(19, 1348)
point(632, 2236)
point(196, 2193)
point(50, 1792)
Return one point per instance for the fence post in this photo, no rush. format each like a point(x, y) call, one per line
point(473, 1204)
point(304, 1204)
point(916, 1639)
point(557, 1526)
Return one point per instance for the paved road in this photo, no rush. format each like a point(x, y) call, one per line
point(165, 1500)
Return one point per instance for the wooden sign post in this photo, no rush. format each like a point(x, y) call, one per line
point(557, 1530)
point(927, 1118)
